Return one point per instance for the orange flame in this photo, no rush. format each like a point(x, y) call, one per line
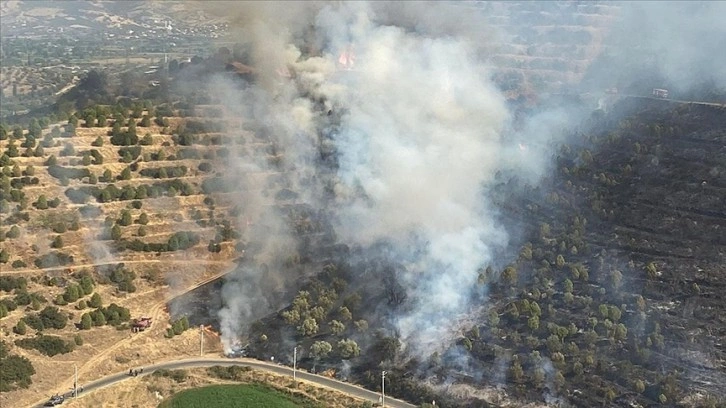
point(347, 58)
point(209, 330)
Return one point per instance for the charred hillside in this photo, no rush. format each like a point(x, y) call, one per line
point(612, 299)
point(623, 263)
point(579, 284)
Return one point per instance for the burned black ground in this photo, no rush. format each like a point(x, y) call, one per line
point(613, 296)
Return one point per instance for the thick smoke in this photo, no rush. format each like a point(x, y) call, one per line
point(248, 290)
point(421, 136)
point(689, 53)
point(674, 44)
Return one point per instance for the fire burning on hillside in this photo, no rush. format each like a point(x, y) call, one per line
point(346, 60)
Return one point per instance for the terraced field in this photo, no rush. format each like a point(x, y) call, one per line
point(144, 221)
point(166, 212)
point(547, 45)
point(37, 81)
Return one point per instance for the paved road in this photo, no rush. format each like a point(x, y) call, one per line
point(340, 386)
point(676, 100)
point(621, 95)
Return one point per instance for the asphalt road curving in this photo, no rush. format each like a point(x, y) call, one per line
point(339, 386)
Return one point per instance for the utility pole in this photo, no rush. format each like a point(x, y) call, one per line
point(383, 388)
point(294, 363)
point(201, 340)
point(75, 381)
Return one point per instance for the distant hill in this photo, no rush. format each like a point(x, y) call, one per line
point(33, 18)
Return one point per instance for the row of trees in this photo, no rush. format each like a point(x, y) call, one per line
point(35, 129)
point(77, 291)
point(110, 192)
point(113, 315)
point(344, 349)
point(164, 172)
point(47, 345)
point(120, 112)
point(49, 318)
point(22, 298)
point(176, 242)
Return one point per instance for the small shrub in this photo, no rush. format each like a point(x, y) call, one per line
point(60, 227)
point(95, 301)
point(57, 242)
point(20, 328)
point(19, 264)
point(86, 322)
point(14, 232)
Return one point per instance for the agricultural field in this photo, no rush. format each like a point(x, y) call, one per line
point(223, 396)
point(33, 81)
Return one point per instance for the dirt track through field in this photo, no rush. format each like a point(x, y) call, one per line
point(89, 265)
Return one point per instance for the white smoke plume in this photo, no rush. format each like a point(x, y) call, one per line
point(247, 290)
point(422, 135)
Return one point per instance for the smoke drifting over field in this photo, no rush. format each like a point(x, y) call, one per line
point(421, 136)
point(673, 44)
point(693, 51)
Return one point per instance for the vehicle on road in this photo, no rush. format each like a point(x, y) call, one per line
point(660, 93)
point(55, 400)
